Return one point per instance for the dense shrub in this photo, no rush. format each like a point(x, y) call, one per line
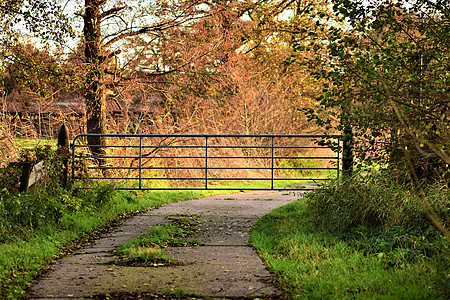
point(375, 200)
point(28, 211)
point(9, 176)
point(380, 214)
point(47, 201)
point(53, 164)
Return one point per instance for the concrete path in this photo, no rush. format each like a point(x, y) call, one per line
point(223, 267)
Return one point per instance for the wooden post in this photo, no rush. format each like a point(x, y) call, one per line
point(33, 173)
point(25, 177)
point(63, 149)
point(63, 136)
point(347, 141)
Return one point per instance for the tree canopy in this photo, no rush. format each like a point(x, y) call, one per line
point(388, 72)
point(201, 59)
point(240, 66)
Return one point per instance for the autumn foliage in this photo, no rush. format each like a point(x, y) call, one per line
point(209, 68)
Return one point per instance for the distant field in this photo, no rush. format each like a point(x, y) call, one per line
point(26, 143)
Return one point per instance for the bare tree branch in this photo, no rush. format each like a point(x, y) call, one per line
point(111, 11)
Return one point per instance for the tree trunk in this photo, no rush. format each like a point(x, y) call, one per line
point(94, 88)
point(347, 151)
point(348, 143)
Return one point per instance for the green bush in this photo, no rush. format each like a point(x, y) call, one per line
point(46, 201)
point(97, 196)
point(9, 176)
point(382, 215)
point(53, 165)
point(20, 213)
point(375, 200)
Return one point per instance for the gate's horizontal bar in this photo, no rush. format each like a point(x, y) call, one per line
point(148, 168)
point(268, 157)
point(200, 147)
point(209, 168)
point(209, 179)
point(209, 157)
point(104, 146)
point(290, 189)
point(210, 135)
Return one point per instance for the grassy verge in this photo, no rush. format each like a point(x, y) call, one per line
point(356, 242)
point(233, 186)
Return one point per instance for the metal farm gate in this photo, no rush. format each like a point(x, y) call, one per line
point(206, 162)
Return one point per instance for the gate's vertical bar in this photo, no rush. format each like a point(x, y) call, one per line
point(338, 157)
point(206, 162)
point(273, 142)
point(140, 162)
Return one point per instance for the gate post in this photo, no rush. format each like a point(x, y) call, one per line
point(25, 177)
point(347, 151)
point(63, 150)
point(140, 162)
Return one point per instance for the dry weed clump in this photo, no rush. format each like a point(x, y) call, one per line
point(8, 148)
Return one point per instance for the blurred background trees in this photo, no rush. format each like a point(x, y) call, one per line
point(236, 67)
point(174, 66)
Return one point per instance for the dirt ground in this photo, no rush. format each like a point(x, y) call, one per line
point(223, 267)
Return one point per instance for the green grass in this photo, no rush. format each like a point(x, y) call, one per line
point(146, 248)
point(142, 256)
point(28, 143)
point(313, 261)
point(228, 187)
point(24, 255)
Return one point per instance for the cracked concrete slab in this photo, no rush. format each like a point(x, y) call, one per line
point(224, 266)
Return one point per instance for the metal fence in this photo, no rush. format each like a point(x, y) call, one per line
point(207, 162)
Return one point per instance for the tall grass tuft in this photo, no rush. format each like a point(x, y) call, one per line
point(375, 200)
point(380, 215)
